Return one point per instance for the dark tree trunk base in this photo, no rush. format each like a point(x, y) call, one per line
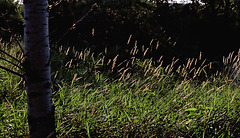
point(42, 127)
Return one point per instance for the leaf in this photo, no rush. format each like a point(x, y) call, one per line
point(191, 109)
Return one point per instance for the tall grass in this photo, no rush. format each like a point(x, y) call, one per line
point(12, 95)
point(100, 97)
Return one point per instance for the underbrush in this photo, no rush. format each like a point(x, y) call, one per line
point(100, 97)
point(13, 111)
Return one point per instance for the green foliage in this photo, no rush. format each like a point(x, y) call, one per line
point(180, 30)
point(11, 20)
point(109, 25)
point(13, 110)
point(9, 83)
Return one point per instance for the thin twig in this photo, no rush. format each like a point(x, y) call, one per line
point(76, 22)
point(19, 45)
point(54, 4)
point(11, 71)
point(9, 55)
point(11, 63)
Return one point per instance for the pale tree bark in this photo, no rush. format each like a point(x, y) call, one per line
point(37, 69)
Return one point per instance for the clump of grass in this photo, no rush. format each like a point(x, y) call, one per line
point(13, 111)
point(231, 69)
point(10, 58)
point(147, 100)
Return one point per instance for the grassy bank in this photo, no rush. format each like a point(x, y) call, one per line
point(99, 97)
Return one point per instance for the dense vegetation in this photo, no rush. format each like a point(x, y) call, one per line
point(111, 80)
point(179, 30)
point(139, 99)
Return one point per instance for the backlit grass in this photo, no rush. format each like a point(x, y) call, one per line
point(98, 97)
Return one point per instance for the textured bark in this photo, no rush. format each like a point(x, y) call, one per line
point(37, 69)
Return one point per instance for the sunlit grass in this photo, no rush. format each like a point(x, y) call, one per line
point(99, 97)
point(13, 111)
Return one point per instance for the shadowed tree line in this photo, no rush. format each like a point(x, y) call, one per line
point(11, 20)
point(172, 30)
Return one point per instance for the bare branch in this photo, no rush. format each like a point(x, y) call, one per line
point(11, 63)
point(19, 45)
point(11, 71)
point(9, 55)
point(54, 4)
point(76, 22)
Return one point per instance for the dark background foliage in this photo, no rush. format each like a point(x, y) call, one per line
point(179, 30)
point(11, 20)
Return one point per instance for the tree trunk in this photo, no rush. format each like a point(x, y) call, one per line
point(37, 69)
